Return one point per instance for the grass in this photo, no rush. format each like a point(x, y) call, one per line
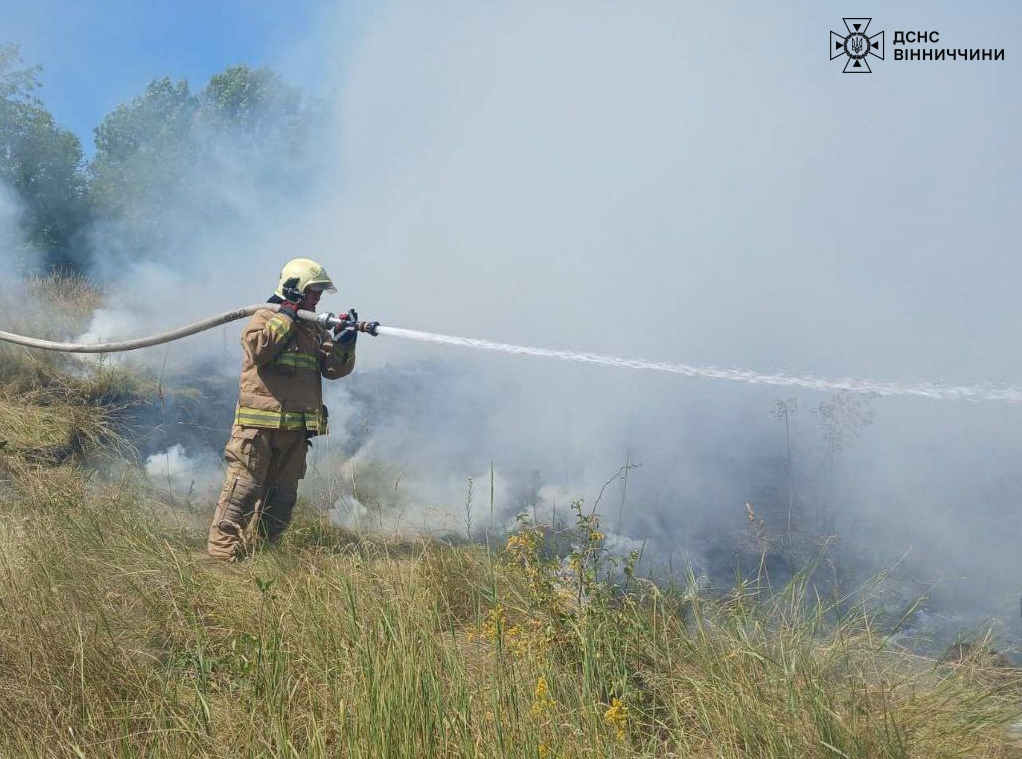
point(120, 638)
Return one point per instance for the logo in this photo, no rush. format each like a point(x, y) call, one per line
point(856, 45)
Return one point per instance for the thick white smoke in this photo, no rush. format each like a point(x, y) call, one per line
point(694, 184)
point(180, 473)
point(17, 256)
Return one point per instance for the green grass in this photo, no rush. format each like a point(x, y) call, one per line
point(120, 638)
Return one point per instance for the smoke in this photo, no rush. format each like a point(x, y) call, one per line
point(17, 257)
point(181, 473)
point(675, 182)
point(206, 224)
point(655, 182)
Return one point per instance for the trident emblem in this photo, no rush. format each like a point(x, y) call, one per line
point(857, 45)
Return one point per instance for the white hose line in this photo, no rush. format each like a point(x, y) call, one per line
point(145, 342)
point(932, 390)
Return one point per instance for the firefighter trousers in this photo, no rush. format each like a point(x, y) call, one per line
point(260, 489)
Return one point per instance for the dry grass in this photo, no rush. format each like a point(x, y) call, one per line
point(120, 638)
point(59, 307)
point(57, 407)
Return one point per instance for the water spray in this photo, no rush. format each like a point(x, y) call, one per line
point(931, 390)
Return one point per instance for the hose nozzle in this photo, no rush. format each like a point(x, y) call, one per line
point(328, 320)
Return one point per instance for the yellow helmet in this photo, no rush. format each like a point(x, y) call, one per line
point(309, 273)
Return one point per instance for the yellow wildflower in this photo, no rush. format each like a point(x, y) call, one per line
point(541, 698)
point(617, 717)
point(493, 624)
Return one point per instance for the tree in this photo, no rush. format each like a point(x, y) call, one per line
point(42, 163)
point(267, 123)
point(144, 150)
point(254, 101)
point(171, 163)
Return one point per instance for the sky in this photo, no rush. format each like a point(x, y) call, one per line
point(679, 182)
point(100, 54)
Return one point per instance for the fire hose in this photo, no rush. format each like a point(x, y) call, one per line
point(933, 390)
point(324, 320)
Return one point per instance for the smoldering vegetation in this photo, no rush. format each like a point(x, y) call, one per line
point(780, 491)
point(372, 641)
point(456, 187)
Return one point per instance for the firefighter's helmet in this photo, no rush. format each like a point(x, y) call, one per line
point(309, 273)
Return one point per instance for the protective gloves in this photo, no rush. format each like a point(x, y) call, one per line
point(346, 333)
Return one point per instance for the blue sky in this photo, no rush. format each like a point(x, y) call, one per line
point(98, 54)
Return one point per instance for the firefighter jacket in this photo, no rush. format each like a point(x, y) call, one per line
point(280, 385)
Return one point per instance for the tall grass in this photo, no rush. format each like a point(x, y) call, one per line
point(60, 307)
point(120, 638)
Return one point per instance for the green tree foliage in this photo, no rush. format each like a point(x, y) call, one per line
point(254, 103)
point(257, 131)
point(171, 162)
point(143, 149)
point(41, 163)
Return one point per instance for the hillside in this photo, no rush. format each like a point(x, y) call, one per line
point(120, 638)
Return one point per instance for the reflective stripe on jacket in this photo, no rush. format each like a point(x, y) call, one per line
point(281, 371)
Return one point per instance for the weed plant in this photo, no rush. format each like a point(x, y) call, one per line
point(120, 638)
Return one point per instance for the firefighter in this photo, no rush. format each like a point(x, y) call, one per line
point(280, 408)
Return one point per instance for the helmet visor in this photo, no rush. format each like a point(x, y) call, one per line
point(322, 286)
